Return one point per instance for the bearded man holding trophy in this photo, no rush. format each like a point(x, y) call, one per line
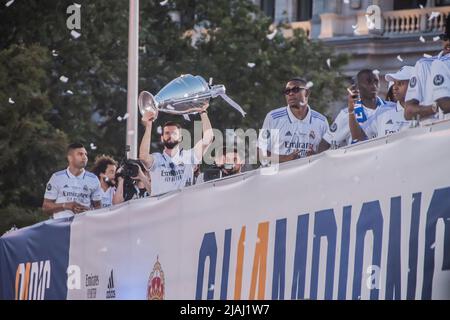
point(173, 169)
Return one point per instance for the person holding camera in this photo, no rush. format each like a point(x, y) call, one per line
point(133, 182)
point(73, 190)
point(226, 163)
point(173, 169)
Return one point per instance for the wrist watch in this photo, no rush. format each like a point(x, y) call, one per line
point(434, 107)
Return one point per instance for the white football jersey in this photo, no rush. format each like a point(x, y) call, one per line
point(107, 196)
point(420, 84)
point(386, 120)
point(440, 75)
point(63, 187)
point(283, 133)
point(172, 173)
point(339, 135)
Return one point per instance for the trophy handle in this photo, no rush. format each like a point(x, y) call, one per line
point(147, 103)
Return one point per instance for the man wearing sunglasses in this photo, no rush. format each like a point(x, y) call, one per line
point(293, 131)
point(440, 76)
point(174, 168)
point(420, 102)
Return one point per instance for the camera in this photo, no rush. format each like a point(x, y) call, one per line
point(128, 169)
point(216, 172)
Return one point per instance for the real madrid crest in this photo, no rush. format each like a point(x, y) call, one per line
point(156, 283)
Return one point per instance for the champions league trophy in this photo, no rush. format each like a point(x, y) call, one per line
point(184, 95)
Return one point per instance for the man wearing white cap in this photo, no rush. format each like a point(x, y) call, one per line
point(389, 119)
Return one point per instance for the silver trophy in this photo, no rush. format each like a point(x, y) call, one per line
point(184, 95)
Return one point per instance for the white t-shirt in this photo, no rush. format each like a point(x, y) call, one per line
point(283, 133)
point(420, 84)
point(339, 134)
point(172, 173)
point(440, 75)
point(63, 187)
point(386, 120)
point(107, 196)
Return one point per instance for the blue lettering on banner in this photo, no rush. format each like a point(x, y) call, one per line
point(369, 220)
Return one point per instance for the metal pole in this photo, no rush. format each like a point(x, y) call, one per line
point(133, 64)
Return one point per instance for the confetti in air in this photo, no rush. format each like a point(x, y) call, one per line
point(93, 146)
point(54, 53)
point(251, 65)
point(77, 5)
point(376, 72)
point(9, 3)
point(119, 118)
point(272, 35)
point(354, 26)
point(75, 34)
point(399, 58)
point(346, 1)
point(329, 63)
point(11, 101)
point(427, 55)
point(64, 79)
point(422, 39)
point(421, 6)
point(69, 92)
point(125, 116)
point(163, 3)
point(437, 38)
point(309, 85)
point(433, 15)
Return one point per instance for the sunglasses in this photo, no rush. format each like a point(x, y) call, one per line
point(287, 91)
point(443, 37)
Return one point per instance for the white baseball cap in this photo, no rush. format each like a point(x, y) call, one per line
point(405, 73)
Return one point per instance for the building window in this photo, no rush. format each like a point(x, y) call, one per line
point(442, 3)
point(304, 10)
point(409, 4)
point(268, 7)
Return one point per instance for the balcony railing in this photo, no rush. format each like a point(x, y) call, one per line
point(415, 20)
point(305, 25)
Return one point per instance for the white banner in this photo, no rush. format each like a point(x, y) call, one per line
point(370, 221)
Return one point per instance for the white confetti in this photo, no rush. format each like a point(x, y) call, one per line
point(309, 85)
point(69, 92)
point(125, 116)
point(251, 64)
point(421, 6)
point(104, 249)
point(433, 245)
point(399, 58)
point(186, 117)
point(422, 39)
point(119, 118)
point(346, 1)
point(77, 5)
point(376, 72)
point(159, 130)
point(130, 132)
point(354, 26)
point(63, 79)
point(211, 287)
point(329, 63)
point(427, 55)
point(75, 34)
point(9, 3)
point(93, 146)
point(437, 38)
point(433, 15)
point(272, 35)
point(54, 53)
point(169, 106)
point(356, 32)
point(163, 3)
point(11, 101)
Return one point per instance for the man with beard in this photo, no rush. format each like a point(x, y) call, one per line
point(105, 169)
point(293, 131)
point(73, 190)
point(172, 169)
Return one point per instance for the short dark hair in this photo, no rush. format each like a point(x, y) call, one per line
point(101, 164)
point(361, 72)
point(73, 146)
point(171, 124)
point(298, 79)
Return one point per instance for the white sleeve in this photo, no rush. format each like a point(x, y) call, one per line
point(415, 87)
point(264, 139)
point(339, 131)
point(52, 188)
point(440, 75)
point(96, 195)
